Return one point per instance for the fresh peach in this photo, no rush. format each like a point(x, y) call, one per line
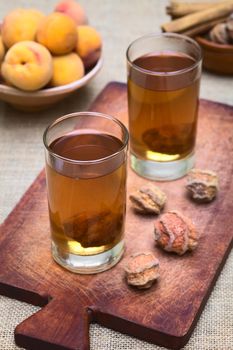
point(72, 9)
point(2, 49)
point(20, 25)
point(27, 65)
point(89, 45)
point(2, 54)
point(58, 33)
point(67, 69)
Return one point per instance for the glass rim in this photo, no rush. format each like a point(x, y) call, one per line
point(166, 35)
point(87, 114)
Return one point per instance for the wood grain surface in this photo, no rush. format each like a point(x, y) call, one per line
point(167, 313)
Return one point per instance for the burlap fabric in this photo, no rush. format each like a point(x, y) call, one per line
point(21, 159)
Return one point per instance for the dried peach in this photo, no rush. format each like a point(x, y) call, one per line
point(142, 270)
point(176, 233)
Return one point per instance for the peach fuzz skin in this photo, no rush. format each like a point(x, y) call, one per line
point(89, 45)
point(2, 49)
point(20, 25)
point(73, 9)
point(58, 33)
point(67, 69)
point(27, 66)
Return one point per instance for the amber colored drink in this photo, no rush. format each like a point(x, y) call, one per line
point(87, 207)
point(162, 109)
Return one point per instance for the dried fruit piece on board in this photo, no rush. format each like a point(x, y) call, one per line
point(202, 185)
point(142, 269)
point(175, 233)
point(148, 200)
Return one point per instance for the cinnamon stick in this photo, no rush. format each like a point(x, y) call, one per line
point(203, 28)
point(181, 8)
point(198, 18)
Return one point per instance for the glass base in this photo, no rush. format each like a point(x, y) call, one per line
point(162, 171)
point(88, 264)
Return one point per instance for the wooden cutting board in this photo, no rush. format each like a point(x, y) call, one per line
point(167, 313)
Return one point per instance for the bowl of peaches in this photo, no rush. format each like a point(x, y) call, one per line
point(44, 58)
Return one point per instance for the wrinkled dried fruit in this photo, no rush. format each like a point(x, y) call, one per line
point(202, 185)
point(169, 139)
point(148, 200)
point(230, 27)
point(94, 229)
point(219, 34)
point(142, 269)
point(175, 233)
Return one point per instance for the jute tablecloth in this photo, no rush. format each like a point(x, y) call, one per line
point(21, 159)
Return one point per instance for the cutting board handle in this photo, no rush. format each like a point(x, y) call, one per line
point(60, 325)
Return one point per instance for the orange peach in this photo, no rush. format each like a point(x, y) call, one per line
point(27, 66)
point(72, 9)
point(58, 33)
point(20, 25)
point(67, 69)
point(89, 45)
point(2, 49)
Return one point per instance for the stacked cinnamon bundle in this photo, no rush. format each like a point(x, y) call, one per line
point(192, 18)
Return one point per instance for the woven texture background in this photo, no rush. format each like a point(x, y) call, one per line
point(21, 159)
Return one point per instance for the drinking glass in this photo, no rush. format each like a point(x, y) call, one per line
point(86, 155)
point(163, 87)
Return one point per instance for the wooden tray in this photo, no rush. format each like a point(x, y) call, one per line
point(167, 313)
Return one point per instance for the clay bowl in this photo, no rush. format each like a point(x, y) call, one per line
point(41, 99)
point(216, 58)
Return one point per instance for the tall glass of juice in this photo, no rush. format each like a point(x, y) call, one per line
point(86, 156)
point(163, 87)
